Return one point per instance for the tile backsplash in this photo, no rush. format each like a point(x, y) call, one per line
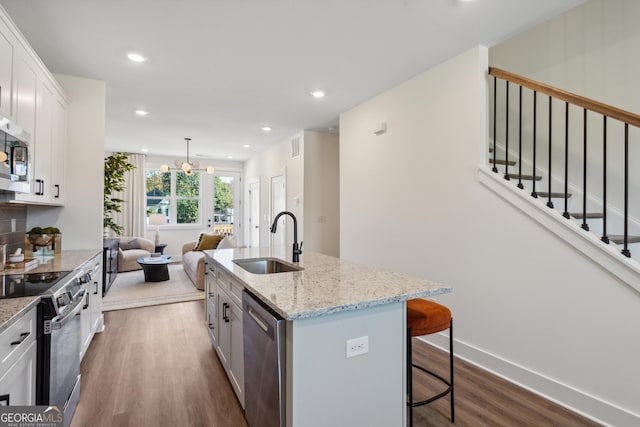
point(13, 227)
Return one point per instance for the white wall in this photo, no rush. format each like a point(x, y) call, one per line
point(322, 193)
point(526, 305)
point(81, 218)
point(276, 160)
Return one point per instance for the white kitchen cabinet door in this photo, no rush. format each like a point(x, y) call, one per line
point(7, 53)
point(26, 79)
point(224, 330)
point(236, 351)
point(58, 151)
point(18, 384)
point(95, 301)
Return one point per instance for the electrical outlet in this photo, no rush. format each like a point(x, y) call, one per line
point(357, 346)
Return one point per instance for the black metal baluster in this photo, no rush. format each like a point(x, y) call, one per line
point(549, 202)
point(495, 129)
point(584, 225)
point(520, 185)
point(625, 250)
point(604, 237)
point(506, 137)
point(535, 116)
point(566, 161)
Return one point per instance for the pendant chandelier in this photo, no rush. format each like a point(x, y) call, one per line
point(187, 167)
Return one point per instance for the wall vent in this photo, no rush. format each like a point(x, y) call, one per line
point(295, 147)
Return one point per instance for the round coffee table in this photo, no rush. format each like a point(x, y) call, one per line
point(155, 268)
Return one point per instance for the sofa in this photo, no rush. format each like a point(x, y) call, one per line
point(193, 257)
point(132, 248)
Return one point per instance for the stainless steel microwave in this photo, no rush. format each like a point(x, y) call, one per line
point(15, 165)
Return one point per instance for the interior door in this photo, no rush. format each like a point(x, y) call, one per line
point(278, 204)
point(254, 213)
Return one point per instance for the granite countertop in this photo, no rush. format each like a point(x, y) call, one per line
point(12, 309)
point(326, 285)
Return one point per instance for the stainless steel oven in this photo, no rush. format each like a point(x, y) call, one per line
point(14, 158)
point(59, 345)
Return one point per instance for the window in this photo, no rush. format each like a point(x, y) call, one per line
point(174, 194)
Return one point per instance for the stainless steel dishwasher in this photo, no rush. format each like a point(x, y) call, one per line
point(264, 364)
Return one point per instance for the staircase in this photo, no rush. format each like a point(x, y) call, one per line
point(570, 153)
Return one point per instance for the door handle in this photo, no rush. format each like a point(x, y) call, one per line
point(257, 319)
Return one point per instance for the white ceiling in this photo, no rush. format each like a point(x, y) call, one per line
point(218, 70)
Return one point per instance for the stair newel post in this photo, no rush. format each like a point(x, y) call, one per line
point(495, 129)
point(549, 202)
point(535, 121)
point(566, 161)
point(625, 250)
point(506, 134)
point(604, 237)
point(584, 225)
point(520, 185)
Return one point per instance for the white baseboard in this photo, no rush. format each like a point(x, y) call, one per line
point(564, 395)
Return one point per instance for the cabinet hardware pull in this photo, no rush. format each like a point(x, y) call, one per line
point(57, 191)
point(96, 291)
point(23, 336)
point(224, 312)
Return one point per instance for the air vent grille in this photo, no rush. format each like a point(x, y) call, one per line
point(295, 147)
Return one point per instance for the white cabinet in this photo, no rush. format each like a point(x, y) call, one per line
point(26, 86)
point(32, 99)
point(8, 45)
point(224, 317)
point(91, 319)
point(18, 353)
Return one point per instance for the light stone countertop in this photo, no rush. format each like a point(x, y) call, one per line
point(326, 285)
point(12, 309)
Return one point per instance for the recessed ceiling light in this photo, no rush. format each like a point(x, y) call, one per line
point(318, 94)
point(142, 112)
point(266, 128)
point(246, 146)
point(144, 150)
point(136, 57)
point(229, 157)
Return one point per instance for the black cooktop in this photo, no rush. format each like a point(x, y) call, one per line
point(29, 284)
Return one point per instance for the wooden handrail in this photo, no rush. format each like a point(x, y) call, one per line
point(572, 98)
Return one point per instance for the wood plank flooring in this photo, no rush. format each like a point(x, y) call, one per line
point(154, 366)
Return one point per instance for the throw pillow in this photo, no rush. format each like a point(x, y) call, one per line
point(208, 241)
point(228, 242)
point(131, 244)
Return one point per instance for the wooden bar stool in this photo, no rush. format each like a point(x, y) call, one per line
point(423, 318)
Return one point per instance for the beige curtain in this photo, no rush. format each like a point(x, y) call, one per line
point(132, 217)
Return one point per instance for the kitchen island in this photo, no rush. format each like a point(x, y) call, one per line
point(326, 304)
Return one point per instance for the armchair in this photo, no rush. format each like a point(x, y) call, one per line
point(132, 248)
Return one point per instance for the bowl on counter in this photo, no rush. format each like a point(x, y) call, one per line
point(16, 258)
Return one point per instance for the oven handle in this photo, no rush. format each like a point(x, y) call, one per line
point(58, 322)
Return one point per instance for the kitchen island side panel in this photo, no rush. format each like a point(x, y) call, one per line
point(325, 388)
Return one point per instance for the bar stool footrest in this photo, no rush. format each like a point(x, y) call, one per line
point(437, 396)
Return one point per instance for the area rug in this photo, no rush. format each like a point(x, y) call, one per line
point(129, 290)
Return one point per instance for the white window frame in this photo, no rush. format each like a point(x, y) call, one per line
point(173, 198)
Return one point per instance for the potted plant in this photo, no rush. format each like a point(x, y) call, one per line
point(44, 241)
point(115, 166)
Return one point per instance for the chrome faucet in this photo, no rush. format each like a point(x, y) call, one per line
point(297, 250)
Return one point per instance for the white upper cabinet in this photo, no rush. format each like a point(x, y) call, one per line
point(33, 100)
point(7, 52)
point(26, 87)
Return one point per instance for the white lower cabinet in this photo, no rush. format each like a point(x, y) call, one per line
point(224, 317)
point(18, 353)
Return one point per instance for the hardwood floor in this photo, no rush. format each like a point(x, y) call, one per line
point(154, 366)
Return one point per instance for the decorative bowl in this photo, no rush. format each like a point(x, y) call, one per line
point(41, 239)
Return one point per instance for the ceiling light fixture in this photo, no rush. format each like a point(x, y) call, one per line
point(266, 128)
point(246, 146)
point(144, 150)
point(142, 112)
point(318, 94)
point(187, 167)
point(136, 57)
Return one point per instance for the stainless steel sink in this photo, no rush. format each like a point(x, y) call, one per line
point(266, 265)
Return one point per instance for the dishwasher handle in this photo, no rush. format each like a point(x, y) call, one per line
point(258, 319)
